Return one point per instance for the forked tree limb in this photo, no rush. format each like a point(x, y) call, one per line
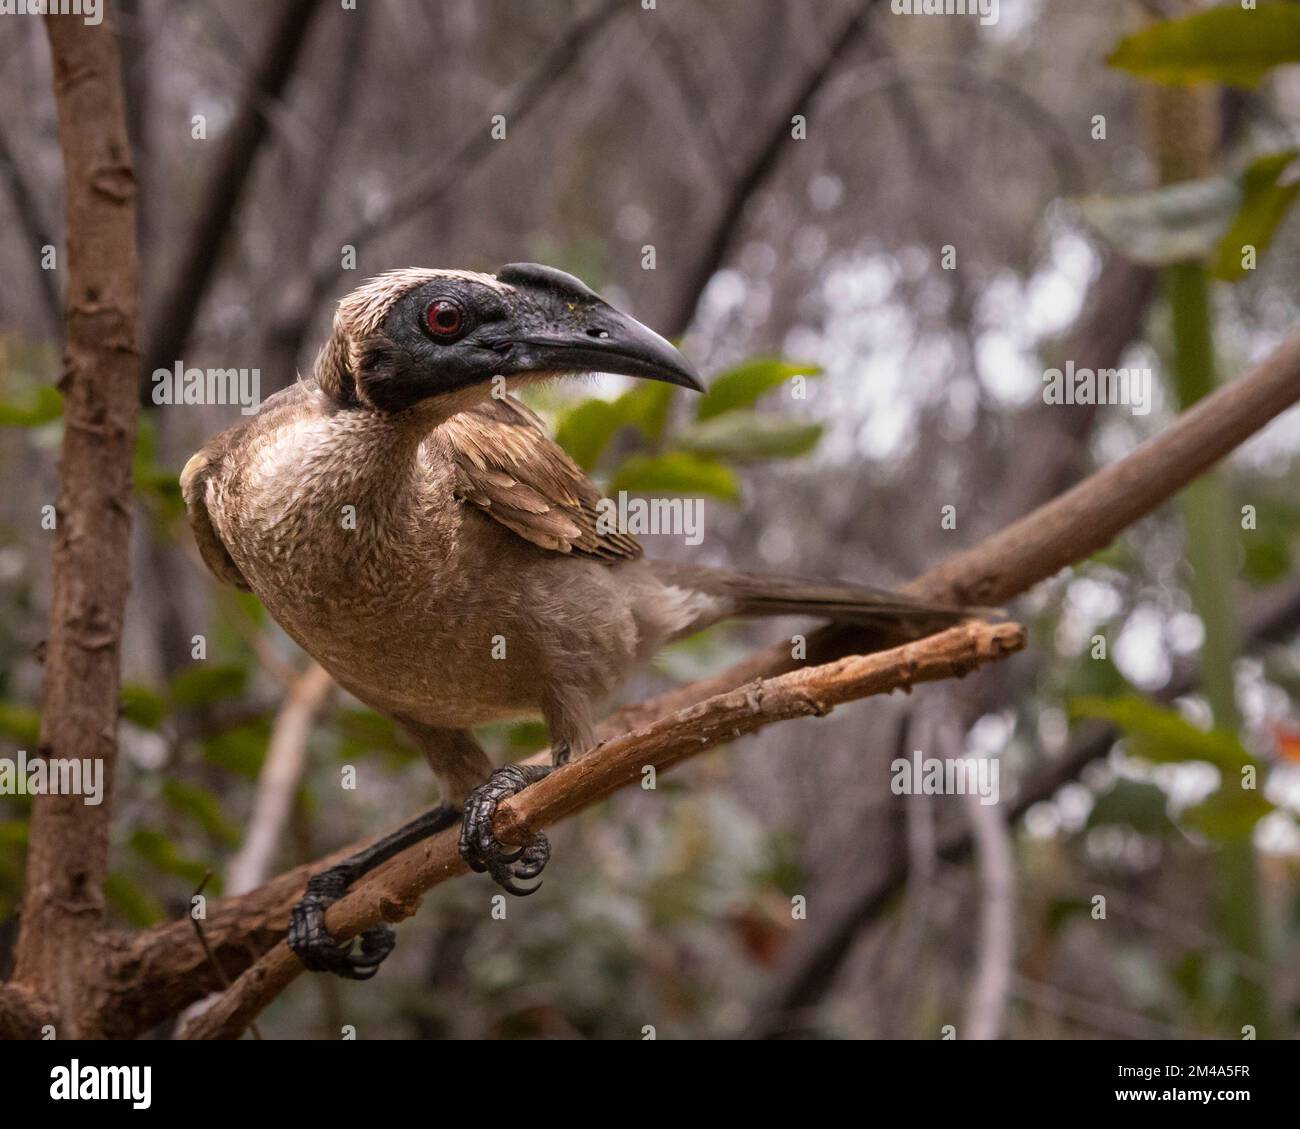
point(161, 969)
point(394, 892)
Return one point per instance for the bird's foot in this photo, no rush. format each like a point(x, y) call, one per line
point(479, 846)
point(314, 946)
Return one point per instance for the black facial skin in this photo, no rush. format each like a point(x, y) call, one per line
point(550, 323)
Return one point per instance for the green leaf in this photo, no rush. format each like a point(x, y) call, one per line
point(1228, 815)
point(1173, 224)
point(365, 733)
point(585, 430)
point(156, 849)
point(241, 749)
point(518, 738)
point(208, 682)
point(204, 807)
point(1096, 678)
point(742, 386)
point(158, 484)
point(741, 436)
point(1230, 44)
point(20, 723)
point(141, 705)
point(1268, 558)
point(646, 405)
point(677, 472)
point(36, 405)
point(139, 907)
point(1162, 735)
point(1270, 546)
point(1264, 205)
point(1133, 803)
point(1059, 912)
point(13, 833)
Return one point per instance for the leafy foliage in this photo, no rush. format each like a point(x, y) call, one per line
point(1228, 44)
point(1162, 735)
point(630, 440)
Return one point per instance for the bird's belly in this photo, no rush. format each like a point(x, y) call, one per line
point(447, 667)
point(453, 632)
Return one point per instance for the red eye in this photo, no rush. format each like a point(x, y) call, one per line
point(445, 318)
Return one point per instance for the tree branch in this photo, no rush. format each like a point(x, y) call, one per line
point(393, 893)
point(198, 261)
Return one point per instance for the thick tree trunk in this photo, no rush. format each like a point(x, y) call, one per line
point(59, 951)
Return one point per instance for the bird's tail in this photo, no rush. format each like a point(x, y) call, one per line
point(767, 594)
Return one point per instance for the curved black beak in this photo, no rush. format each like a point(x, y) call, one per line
point(565, 326)
point(608, 340)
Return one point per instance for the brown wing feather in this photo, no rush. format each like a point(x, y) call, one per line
point(508, 467)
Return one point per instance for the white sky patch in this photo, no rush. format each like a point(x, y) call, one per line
point(990, 734)
point(1262, 702)
point(725, 292)
point(1185, 633)
point(880, 368)
point(1006, 369)
point(1022, 314)
point(1088, 603)
point(1140, 651)
point(1278, 834)
point(1073, 806)
point(1015, 19)
point(1283, 786)
point(825, 191)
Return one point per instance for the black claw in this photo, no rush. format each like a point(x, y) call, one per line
point(318, 951)
point(308, 937)
point(479, 846)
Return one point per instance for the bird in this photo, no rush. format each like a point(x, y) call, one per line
point(406, 520)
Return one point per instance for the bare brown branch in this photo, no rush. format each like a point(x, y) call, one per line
point(394, 892)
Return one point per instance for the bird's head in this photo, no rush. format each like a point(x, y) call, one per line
point(411, 335)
